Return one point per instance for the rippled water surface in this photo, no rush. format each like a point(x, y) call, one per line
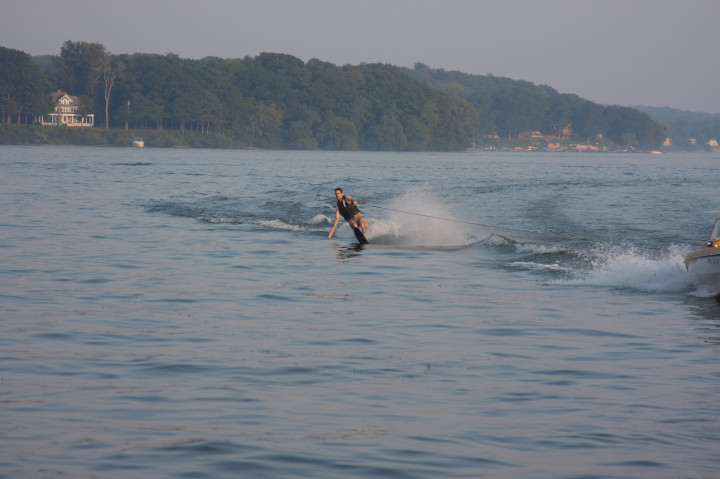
point(182, 314)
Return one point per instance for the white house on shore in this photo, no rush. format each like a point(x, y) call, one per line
point(66, 112)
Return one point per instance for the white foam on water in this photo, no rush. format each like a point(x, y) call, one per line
point(418, 219)
point(622, 266)
point(281, 225)
point(317, 223)
point(530, 265)
point(540, 248)
point(321, 220)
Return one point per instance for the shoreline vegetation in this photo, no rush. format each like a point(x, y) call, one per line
point(36, 135)
point(33, 135)
point(277, 101)
point(28, 135)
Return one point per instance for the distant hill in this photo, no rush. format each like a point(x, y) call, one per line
point(276, 100)
point(268, 101)
point(512, 108)
point(684, 126)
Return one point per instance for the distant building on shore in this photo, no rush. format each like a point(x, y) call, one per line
point(66, 112)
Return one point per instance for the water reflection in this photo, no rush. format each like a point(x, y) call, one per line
point(706, 311)
point(346, 252)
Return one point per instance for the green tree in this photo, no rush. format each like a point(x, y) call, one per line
point(558, 116)
point(267, 127)
point(24, 89)
point(588, 119)
point(337, 134)
point(633, 129)
point(388, 133)
point(81, 67)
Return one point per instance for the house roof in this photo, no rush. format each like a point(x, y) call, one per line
point(58, 95)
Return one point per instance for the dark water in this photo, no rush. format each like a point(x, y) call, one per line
point(182, 314)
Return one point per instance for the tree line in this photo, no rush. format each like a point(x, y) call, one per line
point(508, 108)
point(269, 101)
point(24, 88)
point(688, 131)
point(278, 101)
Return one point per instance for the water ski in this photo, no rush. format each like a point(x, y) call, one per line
point(360, 236)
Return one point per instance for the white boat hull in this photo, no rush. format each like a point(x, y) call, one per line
point(704, 268)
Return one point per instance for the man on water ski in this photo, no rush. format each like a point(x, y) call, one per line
point(347, 208)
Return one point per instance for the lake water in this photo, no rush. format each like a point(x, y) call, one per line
point(182, 314)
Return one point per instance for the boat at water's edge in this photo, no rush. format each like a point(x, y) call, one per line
point(704, 263)
point(138, 143)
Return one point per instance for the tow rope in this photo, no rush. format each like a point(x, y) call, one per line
point(482, 225)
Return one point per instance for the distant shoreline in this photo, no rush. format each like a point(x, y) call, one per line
point(35, 135)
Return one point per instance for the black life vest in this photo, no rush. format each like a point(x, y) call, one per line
point(346, 209)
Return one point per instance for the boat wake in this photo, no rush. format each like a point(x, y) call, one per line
point(610, 265)
point(627, 266)
point(220, 210)
point(418, 219)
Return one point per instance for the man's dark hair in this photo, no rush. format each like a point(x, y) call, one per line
point(339, 189)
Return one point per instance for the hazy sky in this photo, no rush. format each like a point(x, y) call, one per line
point(626, 52)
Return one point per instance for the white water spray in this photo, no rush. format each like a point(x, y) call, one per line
point(417, 223)
point(631, 267)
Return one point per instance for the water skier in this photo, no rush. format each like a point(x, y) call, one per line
point(347, 208)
